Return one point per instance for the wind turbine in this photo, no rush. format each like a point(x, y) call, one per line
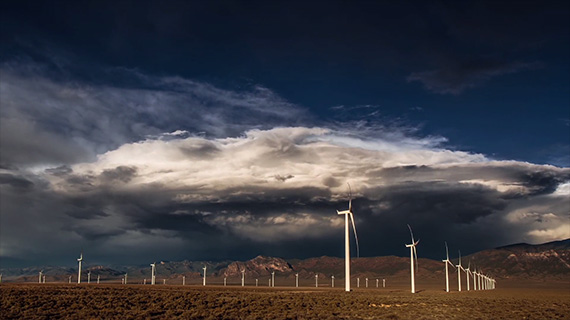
point(126, 277)
point(459, 267)
point(358, 282)
point(89, 276)
point(80, 260)
point(447, 261)
point(296, 280)
point(70, 279)
point(243, 277)
point(348, 213)
point(273, 279)
point(377, 283)
point(152, 273)
point(317, 280)
point(332, 281)
point(98, 279)
point(413, 253)
point(204, 283)
point(467, 272)
point(44, 279)
point(40, 279)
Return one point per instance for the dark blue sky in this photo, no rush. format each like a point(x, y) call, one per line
point(492, 77)
point(226, 129)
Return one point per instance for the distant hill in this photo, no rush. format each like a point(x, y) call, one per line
point(549, 261)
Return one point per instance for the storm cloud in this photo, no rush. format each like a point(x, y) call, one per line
point(273, 191)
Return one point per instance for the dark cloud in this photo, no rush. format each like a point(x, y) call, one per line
point(16, 182)
point(121, 173)
point(455, 79)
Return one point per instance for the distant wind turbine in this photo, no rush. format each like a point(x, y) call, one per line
point(126, 277)
point(204, 283)
point(273, 279)
point(225, 280)
point(447, 261)
point(332, 281)
point(70, 279)
point(467, 273)
point(358, 282)
point(377, 283)
point(80, 260)
point(89, 276)
point(243, 277)
point(98, 279)
point(413, 253)
point(296, 280)
point(366, 282)
point(153, 273)
point(40, 278)
point(348, 213)
point(183, 280)
point(459, 268)
point(317, 280)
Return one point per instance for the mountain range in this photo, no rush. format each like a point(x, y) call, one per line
point(544, 262)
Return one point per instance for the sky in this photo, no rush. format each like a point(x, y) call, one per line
point(214, 130)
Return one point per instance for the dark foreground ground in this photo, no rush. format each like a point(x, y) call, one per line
point(57, 301)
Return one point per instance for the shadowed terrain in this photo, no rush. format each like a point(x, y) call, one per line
point(32, 301)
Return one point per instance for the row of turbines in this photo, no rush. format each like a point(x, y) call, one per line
point(480, 280)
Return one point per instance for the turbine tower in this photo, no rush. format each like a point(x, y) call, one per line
point(332, 280)
point(348, 213)
point(273, 279)
point(447, 261)
point(459, 267)
point(467, 272)
point(243, 277)
point(204, 283)
point(296, 280)
point(41, 273)
point(413, 253)
point(152, 273)
point(89, 276)
point(80, 260)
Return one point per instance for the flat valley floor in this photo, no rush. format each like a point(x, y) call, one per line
point(115, 301)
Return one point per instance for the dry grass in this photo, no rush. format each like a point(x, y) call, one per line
point(58, 301)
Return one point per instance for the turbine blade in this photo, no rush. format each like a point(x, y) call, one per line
point(446, 251)
point(355, 235)
point(349, 197)
point(459, 256)
point(411, 233)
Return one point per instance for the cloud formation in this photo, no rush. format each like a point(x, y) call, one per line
point(46, 121)
point(272, 191)
point(455, 79)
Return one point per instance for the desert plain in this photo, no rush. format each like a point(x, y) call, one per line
point(116, 301)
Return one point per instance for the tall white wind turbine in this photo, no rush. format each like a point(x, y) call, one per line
point(243, 278)
point(153, 273)
point(204, 275)
point(80, 260)
point(348, 213)
point(272, 278)
point(459, 267)
point(41, 274)
point(447, 262)
point(413, 254)
point(467, 272)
